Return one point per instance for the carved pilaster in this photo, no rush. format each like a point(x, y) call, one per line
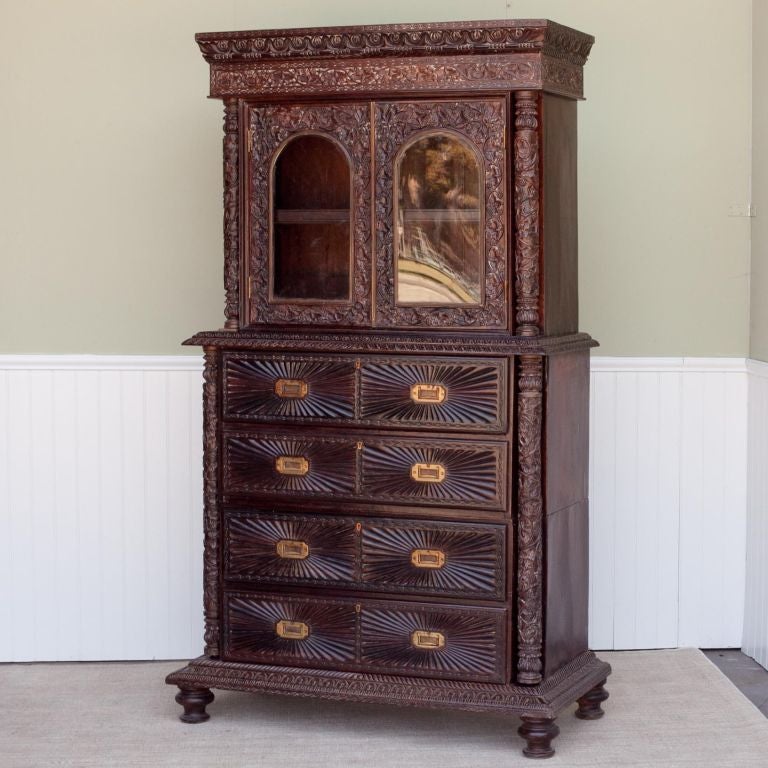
point(527, 190)
point(530, 510)
point(210, 500)
point(231, 214)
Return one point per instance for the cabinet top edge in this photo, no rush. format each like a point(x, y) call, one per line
point(364, 343)
point(441, 38)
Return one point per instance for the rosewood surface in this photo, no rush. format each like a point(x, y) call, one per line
point(395, 494)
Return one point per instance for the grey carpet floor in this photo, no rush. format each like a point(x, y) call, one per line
point(667, 709)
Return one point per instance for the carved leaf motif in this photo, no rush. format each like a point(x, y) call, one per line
point(366, 77)
point(210, 501)
point(482, 122)
point(398, 40)
point(530, 521)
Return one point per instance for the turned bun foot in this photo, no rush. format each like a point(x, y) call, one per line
point(538, 733)
point(589, 703)
point(194, 701)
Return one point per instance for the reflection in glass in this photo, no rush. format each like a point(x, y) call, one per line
point(438, 223)
point(311, 260)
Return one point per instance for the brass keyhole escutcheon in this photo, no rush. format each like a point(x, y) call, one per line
point(427, 641)
point(428, 393)
point(292, 549)
point(292, 465)
point(292, 630)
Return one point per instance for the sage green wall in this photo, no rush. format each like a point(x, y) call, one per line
point(758, 347)
point(110, 194)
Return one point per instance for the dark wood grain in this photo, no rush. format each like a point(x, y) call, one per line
point(560, 244)
point(395, 495)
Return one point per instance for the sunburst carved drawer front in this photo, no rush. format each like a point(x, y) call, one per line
point(381, 555)
point(440, 472)
point(291, 549)
point(279, 465)
point(434, 641)
point(437, 393)
point(417, 639)
point(288, 387)
point(451, 559)
point(289, 630)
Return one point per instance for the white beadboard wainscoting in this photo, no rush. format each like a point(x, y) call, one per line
point(668, 478)
point(101, 506)
point(756, 605)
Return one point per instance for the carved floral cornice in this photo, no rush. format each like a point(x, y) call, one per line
point(399, 40)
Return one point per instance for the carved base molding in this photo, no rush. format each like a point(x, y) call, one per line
point(545, 700)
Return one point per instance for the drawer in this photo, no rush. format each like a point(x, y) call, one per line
point(390, 392)
point(434, 472)
point(415, 639)
point(287, 387)
point(379, 555)
point(450, 559)
point(291, 549)
point(282, 629)
point(378, 469)
point(280, 465)
point(434, 641)
point(440, 393)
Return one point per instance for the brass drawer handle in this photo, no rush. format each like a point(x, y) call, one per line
point(427, 558)
point(292, 549)
point(291, 388)
point(428, 393)
point(427, 641)
point(292, 630)
point(292, 465)
point(428, 473)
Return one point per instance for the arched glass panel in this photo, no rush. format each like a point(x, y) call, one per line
point(311, 246)
point(439, 218)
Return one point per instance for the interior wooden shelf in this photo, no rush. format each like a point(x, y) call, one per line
point(441, 214)
point(311, 215)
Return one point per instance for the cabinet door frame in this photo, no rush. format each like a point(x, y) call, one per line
point(481, 122)
point(270, 127)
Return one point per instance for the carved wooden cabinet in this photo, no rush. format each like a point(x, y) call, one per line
point(396, 411)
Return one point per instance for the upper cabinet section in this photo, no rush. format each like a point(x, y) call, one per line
point(400, 177)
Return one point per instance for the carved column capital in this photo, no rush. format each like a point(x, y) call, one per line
point(232, 213)
point(530, 511)
point(527, 202)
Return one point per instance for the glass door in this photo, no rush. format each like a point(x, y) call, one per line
point(308, 217)
point(441, 214)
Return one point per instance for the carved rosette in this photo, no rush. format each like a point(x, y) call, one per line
point(271, 127)
point(482, 123)
point(231, 215)
point(210, 501)
point(530, 507)
point(527, 231)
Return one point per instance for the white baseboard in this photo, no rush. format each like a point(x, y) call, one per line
point(101, 508)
